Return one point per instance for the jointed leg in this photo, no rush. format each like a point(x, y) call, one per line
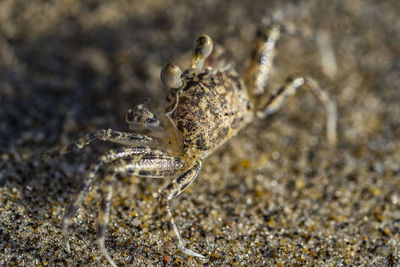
point(168, 193)
point(104, 214)
point(143, 162)
point(279, 98)
point(109, 135)
point(331, 110)
point(84, 188)
point(149, 163)
point(262, 58)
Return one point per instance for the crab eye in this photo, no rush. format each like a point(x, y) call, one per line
point(202, 48)
point(171, 76)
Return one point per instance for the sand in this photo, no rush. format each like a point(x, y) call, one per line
point(275, 195)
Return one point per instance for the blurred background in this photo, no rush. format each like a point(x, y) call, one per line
point(274, 195)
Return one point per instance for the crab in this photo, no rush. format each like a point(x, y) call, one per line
point(207, 104)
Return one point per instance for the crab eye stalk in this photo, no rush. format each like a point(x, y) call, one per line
point(171, 76)
point(202, 48)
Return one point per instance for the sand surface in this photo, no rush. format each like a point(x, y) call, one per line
point(276, 194)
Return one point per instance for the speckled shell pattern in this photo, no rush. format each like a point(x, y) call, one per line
point(210, 108)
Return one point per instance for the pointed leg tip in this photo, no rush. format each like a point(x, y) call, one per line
point(65, 233)
point(191, 252)
point(68, 247)
point(106, 254)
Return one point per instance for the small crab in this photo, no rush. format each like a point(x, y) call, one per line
point(207, 104)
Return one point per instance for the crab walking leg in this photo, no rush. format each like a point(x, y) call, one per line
point(331, 110)
point(104, 214)
point(171, 191)
point(151, 163)
point(279, 98)
point(84, 188)
point(262, 58)
point(124, 138)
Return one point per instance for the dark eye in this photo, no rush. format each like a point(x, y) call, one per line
point(248, 105)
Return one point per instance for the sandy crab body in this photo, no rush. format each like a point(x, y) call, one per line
point(210, 108)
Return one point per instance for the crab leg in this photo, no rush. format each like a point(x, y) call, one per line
point(84, 188)
point(104, 214)
point(171, 191)
point(145, 155)
point(279, 98)
point(262, 58)
point(124, 138)
point(149, 163)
